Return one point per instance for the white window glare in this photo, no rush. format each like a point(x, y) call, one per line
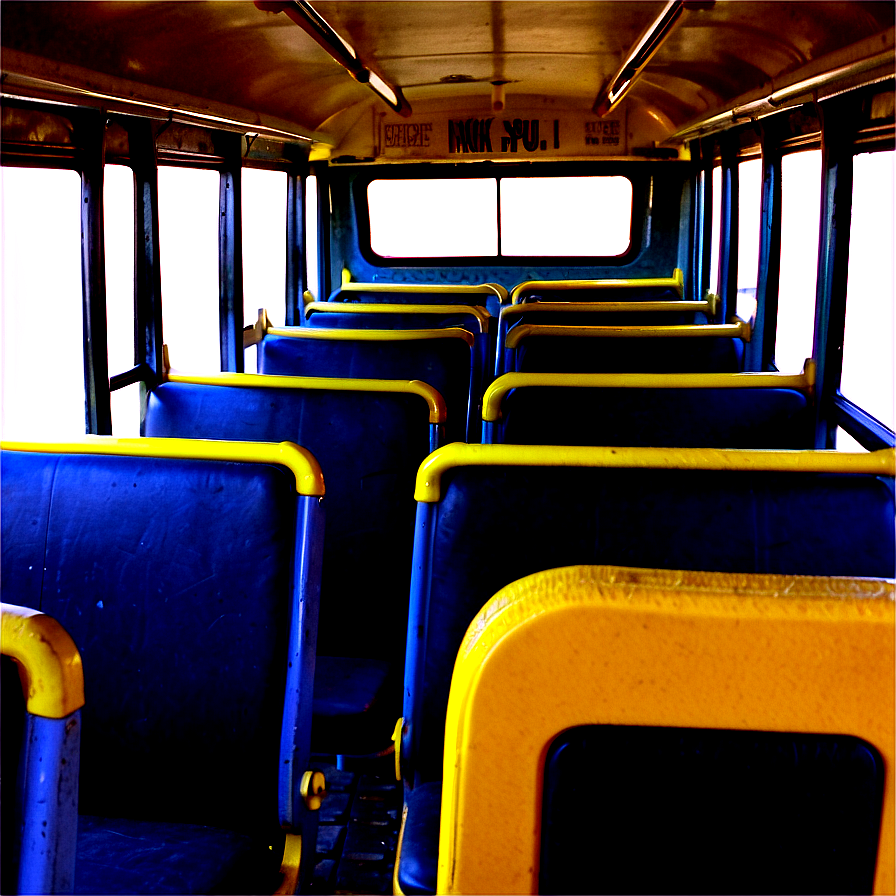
point(264, 244)
point(41, 392)
point(749, 205)
point(118, 225)
point(188, 250)
point(566, 216)
point(800, 212)
point(869, 370)
point(433, 218)
point(716, 237)
point(312, 277)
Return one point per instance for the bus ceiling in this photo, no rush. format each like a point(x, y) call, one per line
point(458, 81)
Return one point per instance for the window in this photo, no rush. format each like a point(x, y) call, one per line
point(716, 236)
point(188, 250)
point(264, 244)
point(749, 206)
point(42, 331)
point(869, 372)
point(566, 216)
point(539, 216)
point(118, 225)
point(433, 218)
point(312, 274)
point(800, 211)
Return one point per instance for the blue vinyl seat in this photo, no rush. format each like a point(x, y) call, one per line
point(188, 575)
point(369, 436)
point(490, 514)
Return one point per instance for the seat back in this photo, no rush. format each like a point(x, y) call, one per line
point(442, 358)
point(725, 410)
point(491, 295)
point(669, 731)
point(370, 436)
point(188, 574)
point(623, 289)
point(706, 348)
point(490, 514)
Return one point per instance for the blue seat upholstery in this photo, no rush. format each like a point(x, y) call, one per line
point(539, 508)
point(188, 575)
point(564, 409)
point(369, 444)
point(592, 349)
point(444, 359)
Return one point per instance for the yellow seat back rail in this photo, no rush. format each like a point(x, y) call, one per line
point(360, 335)
point(676, 282)
point(652, 648)
point(435, 402)
point(499, 388)
point(739, 329)
point(433, 289)
point(526, 309)
point(300, 461)
point(459, 454)
point(477, 311)
point(48, 660)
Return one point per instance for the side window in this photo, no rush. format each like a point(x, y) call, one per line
point(264, 244)
point(715, 239)
point(749, 175)
point(188, 250)
point(42, 330)
point(118, 224)
point(800, 210)
point(869, 372)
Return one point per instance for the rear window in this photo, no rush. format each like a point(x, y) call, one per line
point(506, 217)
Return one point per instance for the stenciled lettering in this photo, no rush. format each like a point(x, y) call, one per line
point(602, 133)
point(407, 135)
point(474, 135)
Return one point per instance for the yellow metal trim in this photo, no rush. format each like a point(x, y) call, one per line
point(302, 463)
point(48, 661)
point(446, 289)
point(313, 788)
point(770, 653)
point(435, 402)
point(462, 454)
point(676, 281)
point(397, 731)
point(290, 866)
point(477, 311)
point(373, 335)
point(527, 308)
point(495, 393)
point(739, 329)
point(396, 887)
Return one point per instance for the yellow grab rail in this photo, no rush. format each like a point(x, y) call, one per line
point(462, 454)
point(432, 397)
point(46, 654)
point(676, 282)
point(526, 309)
point(372, 335)
point(739, 329)
point(477, 311)
point(300, 461)
point(495, 393)
point(447, 289)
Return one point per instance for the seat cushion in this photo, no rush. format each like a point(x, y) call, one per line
point(419, 860)
point(126, 856)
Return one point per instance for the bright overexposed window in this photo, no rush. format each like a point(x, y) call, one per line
point(118, 225)
point(749, 207)
point(188, 251)
point(264, 244)
point(566, 216)
point(869, 372)
point(433, 218)
point(312, 276)
point(42, 388)
point(715, 241)
point(800, 211)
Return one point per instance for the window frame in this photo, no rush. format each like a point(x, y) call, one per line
point(638, 176)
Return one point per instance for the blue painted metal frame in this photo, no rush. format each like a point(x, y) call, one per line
point(51, 756)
